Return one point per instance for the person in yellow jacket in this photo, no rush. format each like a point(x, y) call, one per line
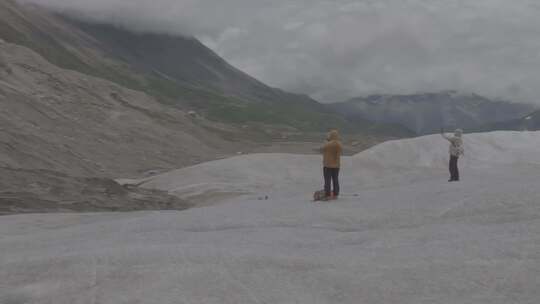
point(331, 164)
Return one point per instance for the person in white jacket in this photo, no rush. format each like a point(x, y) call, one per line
point(456, 150)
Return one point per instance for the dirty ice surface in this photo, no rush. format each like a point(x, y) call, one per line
point(399, 234)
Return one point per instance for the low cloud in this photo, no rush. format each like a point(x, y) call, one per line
point(333, 50)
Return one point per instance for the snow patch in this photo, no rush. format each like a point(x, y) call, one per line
point(384, 163)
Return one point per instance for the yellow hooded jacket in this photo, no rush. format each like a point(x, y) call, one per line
point(332, 151)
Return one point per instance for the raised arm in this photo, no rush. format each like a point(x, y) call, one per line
point(445, 136)
point(321, 148)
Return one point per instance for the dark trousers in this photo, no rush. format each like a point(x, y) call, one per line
point(331, 178)
point(453, 167)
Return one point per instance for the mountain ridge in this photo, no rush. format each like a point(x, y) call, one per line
point(178, 71)
point(426, 113)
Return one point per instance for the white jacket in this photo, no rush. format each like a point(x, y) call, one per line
point(456, 144)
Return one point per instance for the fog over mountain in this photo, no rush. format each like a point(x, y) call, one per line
point(334, 50)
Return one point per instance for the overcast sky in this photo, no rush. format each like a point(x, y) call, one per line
point(336, 49)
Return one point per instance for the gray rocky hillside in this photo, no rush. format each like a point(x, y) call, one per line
point(68, 123)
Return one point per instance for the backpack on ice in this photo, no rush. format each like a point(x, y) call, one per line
point(319, 195)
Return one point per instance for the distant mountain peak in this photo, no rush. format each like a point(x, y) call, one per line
point(426, 113)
